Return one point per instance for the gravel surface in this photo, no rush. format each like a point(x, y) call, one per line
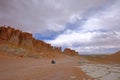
point(102, 71)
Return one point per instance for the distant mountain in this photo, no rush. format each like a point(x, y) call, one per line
point(16, 42)
point(104, 58)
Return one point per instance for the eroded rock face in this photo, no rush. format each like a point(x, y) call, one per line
point(15, 37)
point(70, 52)
point(9, 35)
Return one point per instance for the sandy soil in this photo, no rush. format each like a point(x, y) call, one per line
point(16, 68)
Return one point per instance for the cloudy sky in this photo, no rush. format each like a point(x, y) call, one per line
point(88, 26)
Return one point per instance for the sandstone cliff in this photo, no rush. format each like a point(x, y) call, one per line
point(23, 40)
point(70, 52)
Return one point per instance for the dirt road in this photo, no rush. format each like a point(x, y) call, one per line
point(14, 68)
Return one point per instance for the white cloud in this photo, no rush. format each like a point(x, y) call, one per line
point(69, 38)
point(42, 15)
point(97, 30)
point(100, 33)
point(107, 19)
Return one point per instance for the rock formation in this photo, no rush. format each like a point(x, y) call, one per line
point(70, 52)
point(24, 40)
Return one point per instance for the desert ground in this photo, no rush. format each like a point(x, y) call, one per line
point(102, 71)
point(66, 68)
point(17, 68)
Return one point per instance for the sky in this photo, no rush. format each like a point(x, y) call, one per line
point(87, 26)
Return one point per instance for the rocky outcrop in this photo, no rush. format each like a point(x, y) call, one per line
point(25, 40)
point(15, 37)
point(70, 52)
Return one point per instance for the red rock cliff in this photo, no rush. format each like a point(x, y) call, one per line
point(15, 37)
point(70, 52)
